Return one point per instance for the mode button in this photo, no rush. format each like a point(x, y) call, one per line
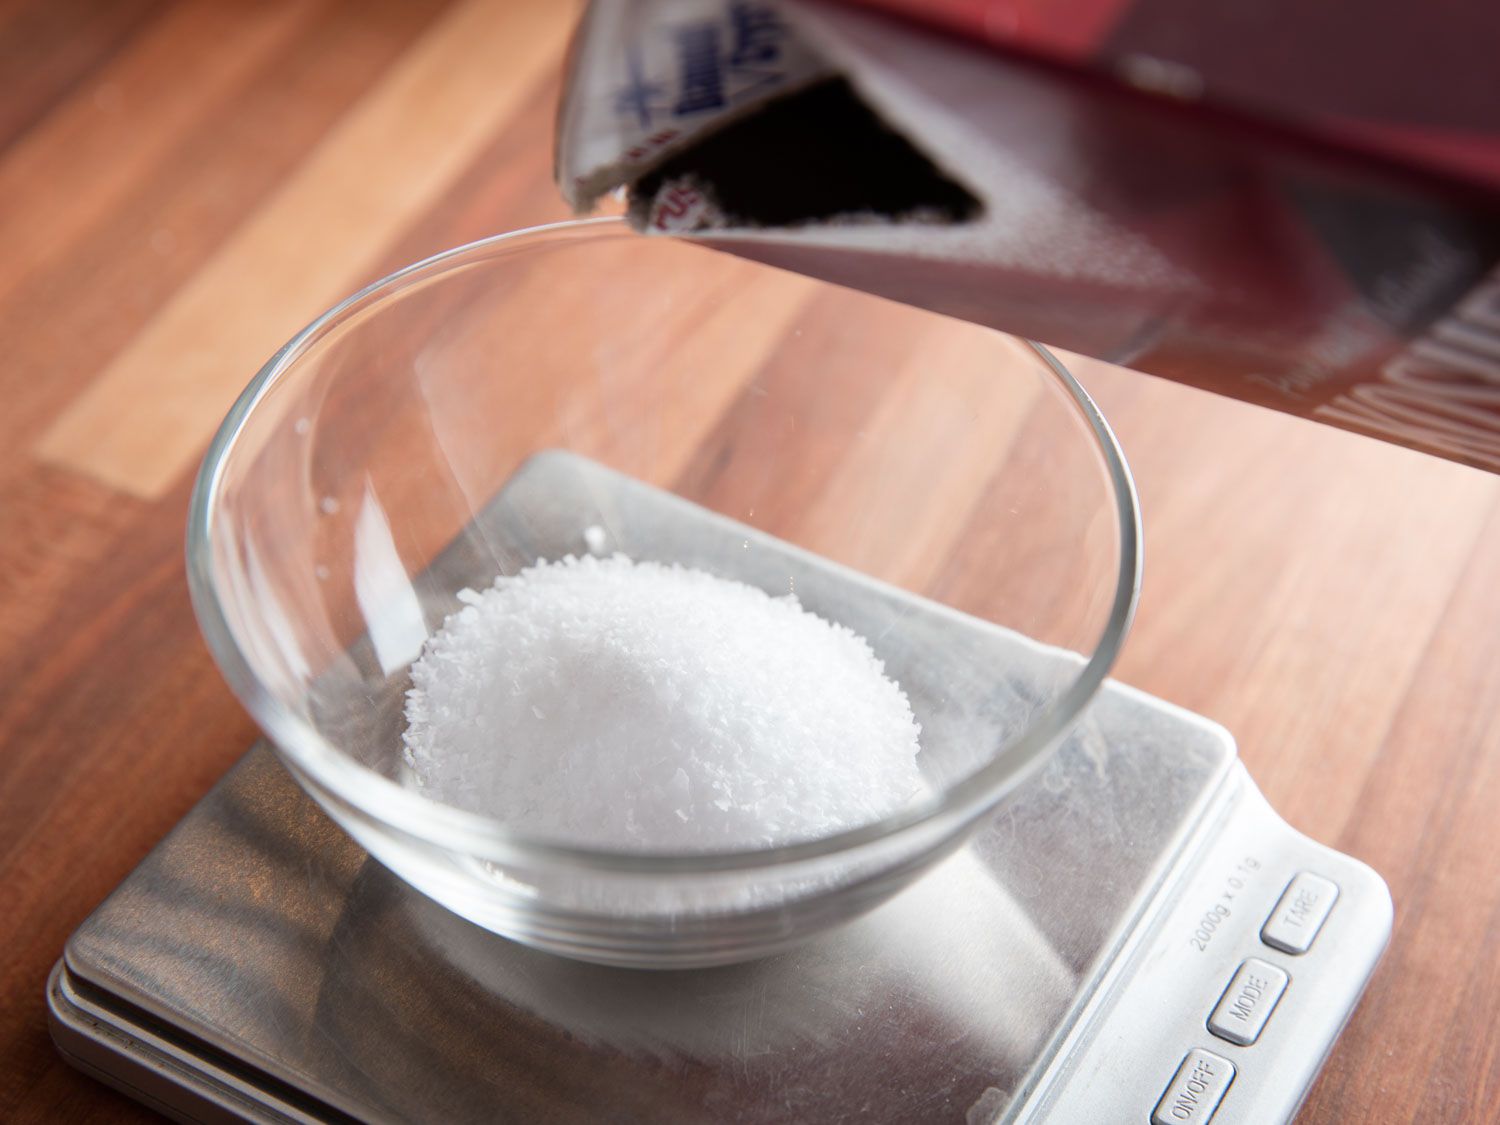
point(1248, 1001)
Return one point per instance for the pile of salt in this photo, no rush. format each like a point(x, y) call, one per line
point(615, 704)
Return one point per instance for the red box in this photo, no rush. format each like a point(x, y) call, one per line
point(1296, 205)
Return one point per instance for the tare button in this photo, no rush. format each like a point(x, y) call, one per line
point(1300, 914)
point(1247, 1003)
point(1196, 1090)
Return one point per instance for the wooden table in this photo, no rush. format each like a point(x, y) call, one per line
point(183, 185)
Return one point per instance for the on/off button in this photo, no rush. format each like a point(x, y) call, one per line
point(1196, 1090)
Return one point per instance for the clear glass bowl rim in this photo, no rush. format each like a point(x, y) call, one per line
point(482, 837)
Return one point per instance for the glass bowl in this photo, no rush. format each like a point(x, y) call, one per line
point(949, 492)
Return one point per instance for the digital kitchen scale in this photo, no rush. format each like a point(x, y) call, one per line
point(1135, 936)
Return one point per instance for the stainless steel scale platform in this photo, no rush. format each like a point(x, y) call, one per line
point(1134, 937)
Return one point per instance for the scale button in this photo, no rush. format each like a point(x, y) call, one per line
point(1196, 1090)
point(1246, 1004)
point(1300, 914)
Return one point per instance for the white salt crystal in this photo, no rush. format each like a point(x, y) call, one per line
point(634, 705)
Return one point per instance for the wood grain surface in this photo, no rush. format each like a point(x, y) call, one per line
point(182, 185)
